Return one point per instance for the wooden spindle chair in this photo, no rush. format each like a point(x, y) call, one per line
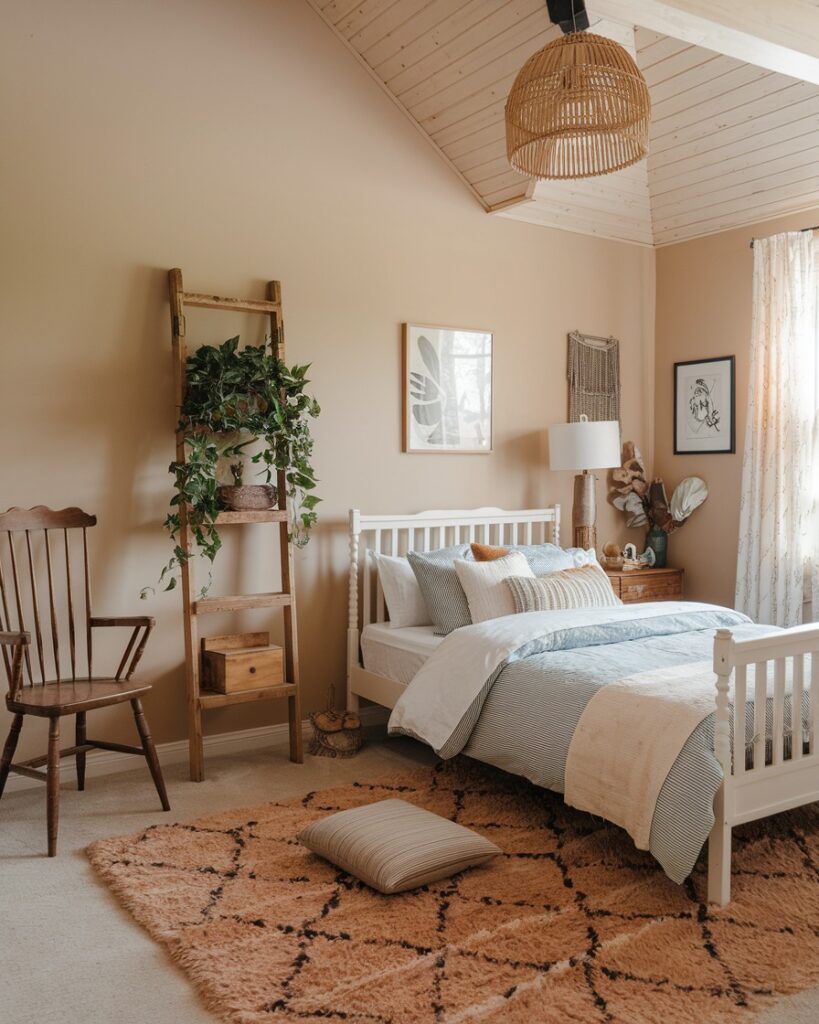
point(45, 592)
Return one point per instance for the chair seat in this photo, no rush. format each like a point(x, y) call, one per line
point(69, 697)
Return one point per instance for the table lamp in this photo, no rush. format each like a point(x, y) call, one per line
point(584, 445)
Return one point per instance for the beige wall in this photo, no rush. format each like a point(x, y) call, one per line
point(704, 293)
point(240, 141)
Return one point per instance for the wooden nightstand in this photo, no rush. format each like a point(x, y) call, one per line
point(632, 585)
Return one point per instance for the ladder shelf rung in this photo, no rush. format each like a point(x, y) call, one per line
point(220, 700)
point(238, 602)
point(237, 305)
point(272, 515)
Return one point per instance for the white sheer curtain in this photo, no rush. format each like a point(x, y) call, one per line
point(778, 541)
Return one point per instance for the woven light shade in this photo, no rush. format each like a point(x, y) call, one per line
point(578, 108)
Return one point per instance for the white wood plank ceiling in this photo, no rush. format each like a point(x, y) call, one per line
point(732, 143)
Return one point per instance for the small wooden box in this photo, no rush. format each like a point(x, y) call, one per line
point(244, 661)
point(635, 585)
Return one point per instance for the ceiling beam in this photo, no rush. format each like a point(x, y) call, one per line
point(782, 36)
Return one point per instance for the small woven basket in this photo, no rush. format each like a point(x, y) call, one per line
point(335, 733)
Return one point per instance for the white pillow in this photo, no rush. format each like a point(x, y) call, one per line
point(401, 592)
point(484, 584)
point(581, 557)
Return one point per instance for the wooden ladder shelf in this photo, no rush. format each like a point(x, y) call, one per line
point(284, 598)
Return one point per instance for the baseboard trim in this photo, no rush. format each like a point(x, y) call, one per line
point(106, 762)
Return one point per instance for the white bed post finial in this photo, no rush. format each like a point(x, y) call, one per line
point(719, 842)
point(352, 622)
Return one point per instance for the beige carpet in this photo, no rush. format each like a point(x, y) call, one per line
point(572, 924)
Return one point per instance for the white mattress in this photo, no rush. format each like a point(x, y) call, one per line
point(398, 653)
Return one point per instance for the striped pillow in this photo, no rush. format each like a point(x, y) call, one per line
point(586, 587)
point(393, 845)
point(443, 594)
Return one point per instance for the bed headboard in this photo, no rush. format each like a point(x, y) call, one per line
point(426, 531)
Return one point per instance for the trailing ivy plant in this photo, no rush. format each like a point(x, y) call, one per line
point(235, 397)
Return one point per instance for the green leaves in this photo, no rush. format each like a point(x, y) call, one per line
point(233, 398)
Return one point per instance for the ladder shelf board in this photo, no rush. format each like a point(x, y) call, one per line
point(220, 700)
point(238, 602)
point(272, 515)
point(237, 305)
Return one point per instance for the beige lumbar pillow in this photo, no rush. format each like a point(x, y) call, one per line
point(485, 587)
point(393, 845)
point(586, 587)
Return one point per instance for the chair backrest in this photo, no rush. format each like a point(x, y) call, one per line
point(45, 589)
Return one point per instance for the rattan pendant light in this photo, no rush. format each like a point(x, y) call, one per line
point(578, 108)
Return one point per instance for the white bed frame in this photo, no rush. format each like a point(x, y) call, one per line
point(747, 794)
point(790, 779)
point(425, 531)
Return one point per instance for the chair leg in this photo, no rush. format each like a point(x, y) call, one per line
point(80, 758)
point(150, 752)
point(53, 783)
point(8, 750)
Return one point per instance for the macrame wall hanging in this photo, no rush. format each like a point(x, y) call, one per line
point(594, 377)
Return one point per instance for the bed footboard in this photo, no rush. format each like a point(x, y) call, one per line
point(780, 768)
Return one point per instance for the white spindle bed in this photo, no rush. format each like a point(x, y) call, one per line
point(788, 778)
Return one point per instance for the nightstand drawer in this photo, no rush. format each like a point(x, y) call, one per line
point(647, 584)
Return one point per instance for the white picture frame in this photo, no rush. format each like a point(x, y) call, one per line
point(446, 390)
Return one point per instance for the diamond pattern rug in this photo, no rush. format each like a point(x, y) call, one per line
point(572, 924)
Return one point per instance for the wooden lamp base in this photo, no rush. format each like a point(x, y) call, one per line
point(584, 511)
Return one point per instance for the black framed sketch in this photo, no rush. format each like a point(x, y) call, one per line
point(704, 407)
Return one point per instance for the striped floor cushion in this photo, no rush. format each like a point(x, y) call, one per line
point(393, 845)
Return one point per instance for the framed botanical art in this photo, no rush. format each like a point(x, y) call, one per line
point(447, 389)
point(704, 407)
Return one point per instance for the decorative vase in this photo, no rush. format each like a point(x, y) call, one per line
point(657, 540)
point(248, 497)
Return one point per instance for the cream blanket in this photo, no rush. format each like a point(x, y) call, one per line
point(628, 738)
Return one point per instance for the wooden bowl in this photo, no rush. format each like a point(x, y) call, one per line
point(248, 497)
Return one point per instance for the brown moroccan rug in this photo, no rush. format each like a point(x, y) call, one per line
point(572, 924)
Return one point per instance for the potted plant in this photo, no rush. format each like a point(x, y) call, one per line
point(242, 497)
point(241, 405)
point(646, 504)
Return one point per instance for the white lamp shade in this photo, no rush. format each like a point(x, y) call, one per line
point(584, 445)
